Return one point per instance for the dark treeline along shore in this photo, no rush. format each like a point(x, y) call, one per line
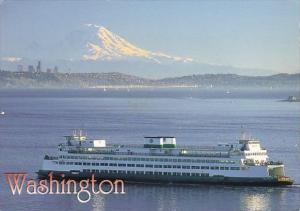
point(9, 79)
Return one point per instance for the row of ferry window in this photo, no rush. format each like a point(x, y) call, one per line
point(148, 159)
point(150, 165)
point(146, 172)
point(255, 153)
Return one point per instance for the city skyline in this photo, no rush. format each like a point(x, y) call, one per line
point(216, 37)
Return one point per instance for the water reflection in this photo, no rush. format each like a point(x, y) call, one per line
point(98, 202)
point(191, 197)
point(262, 198)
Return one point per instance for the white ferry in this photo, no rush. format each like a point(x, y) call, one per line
point(161, 160)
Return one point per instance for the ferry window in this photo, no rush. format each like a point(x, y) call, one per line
point(174, 160)
point(165, 173)
point(221, 168)
point(195, 167)
point(147, 159)
point(226, 168)
point(161, 160)
point(97, 164)
point(156, 159)
point(149, 166)
point(234, 168)
point(84, 164)
point(166, 160)
point(138, 159)
point(149, 172)
point(165, 166)
point(179, 167)
point(151, 159)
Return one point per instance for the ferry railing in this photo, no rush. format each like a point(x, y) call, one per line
point(81, 151)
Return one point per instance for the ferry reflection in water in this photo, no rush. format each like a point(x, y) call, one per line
point(262, 199)
point(191, 197)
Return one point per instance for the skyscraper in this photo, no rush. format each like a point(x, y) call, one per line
point(31, 68)
point(55, 69)
point(39, 67)
point(20, 68)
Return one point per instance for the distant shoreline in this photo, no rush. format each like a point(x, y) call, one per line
point(117, 80)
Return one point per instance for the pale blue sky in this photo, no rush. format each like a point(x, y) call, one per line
point(252, 34)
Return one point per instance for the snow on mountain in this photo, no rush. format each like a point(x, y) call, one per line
point(112, 46)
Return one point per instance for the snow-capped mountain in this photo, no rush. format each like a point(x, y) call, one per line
point(93, 48)
point(112, 46)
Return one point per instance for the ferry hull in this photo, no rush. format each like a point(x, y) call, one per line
point(214, 180)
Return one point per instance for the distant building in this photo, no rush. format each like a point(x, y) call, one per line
point(20, 68)
point(48, 70)
point(292, 99)
point(39, 67)
point(55, 69)
point(31, 68)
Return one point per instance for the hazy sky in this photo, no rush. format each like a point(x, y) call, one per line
point(254, 34)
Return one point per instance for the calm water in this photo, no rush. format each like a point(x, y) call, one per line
point(36, 121)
